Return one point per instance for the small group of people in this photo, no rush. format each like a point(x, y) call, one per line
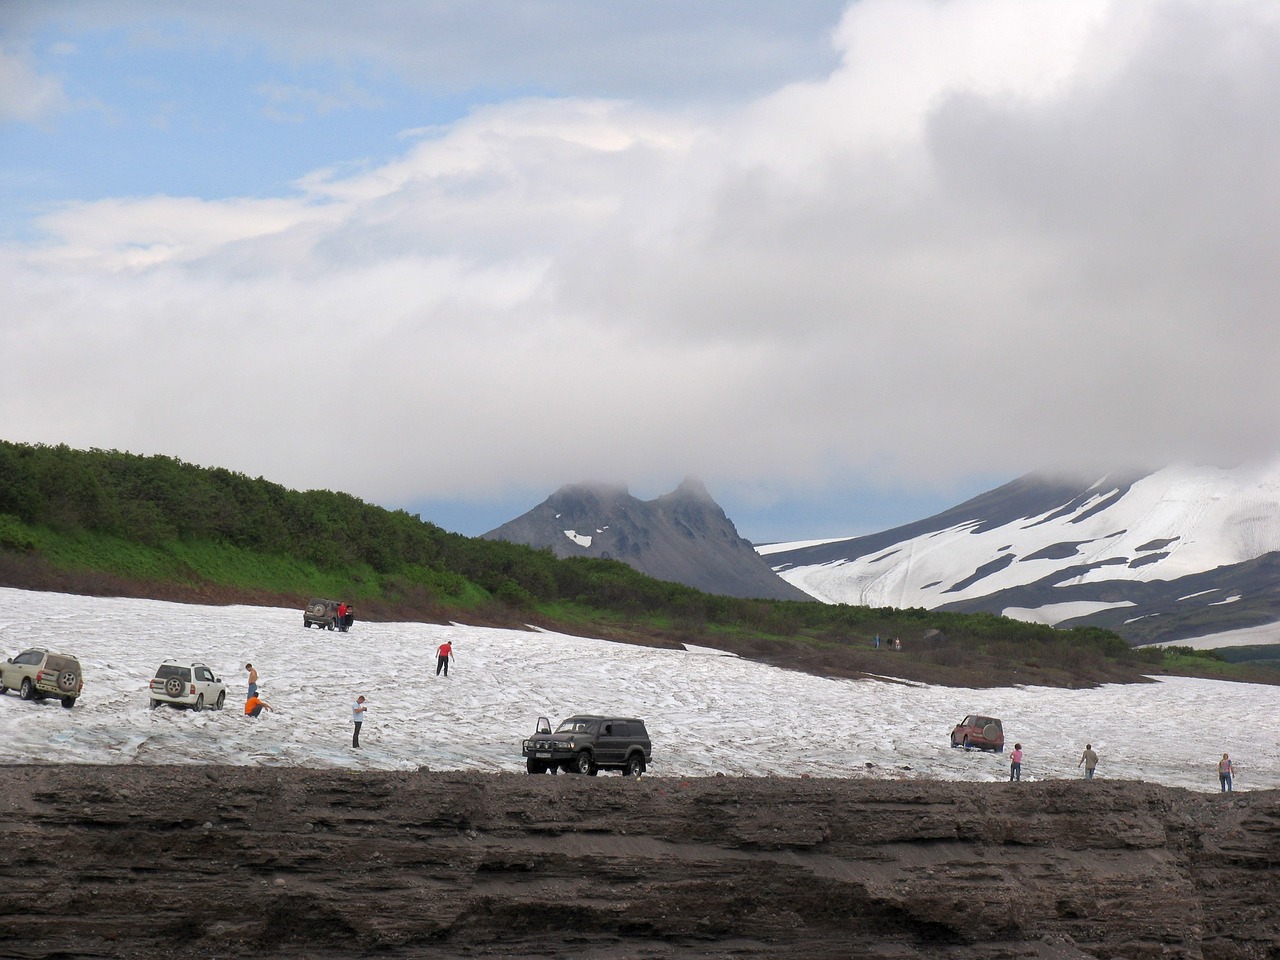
point(254, 705)
point(894, 644)
point(1089, 760)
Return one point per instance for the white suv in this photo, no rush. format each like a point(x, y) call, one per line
point(37, 674)
point(187, 685)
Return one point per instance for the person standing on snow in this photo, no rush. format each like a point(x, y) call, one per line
point(253, 682)
point(443, 653)
point(1089, 759)
point(1225, 769)
point(358, 710)
point(1015, 763)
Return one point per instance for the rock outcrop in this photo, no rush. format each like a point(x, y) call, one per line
point(149, 862)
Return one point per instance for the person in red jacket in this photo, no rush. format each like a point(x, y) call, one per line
point(443, 653)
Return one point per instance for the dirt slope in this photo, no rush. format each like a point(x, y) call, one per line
point(202, 862)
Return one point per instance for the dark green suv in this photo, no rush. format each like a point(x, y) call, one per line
point(587, 744)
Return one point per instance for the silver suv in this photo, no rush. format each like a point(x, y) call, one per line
point(187, 685)
point(37, 674)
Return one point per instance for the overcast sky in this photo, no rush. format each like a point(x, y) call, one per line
point(848, 263)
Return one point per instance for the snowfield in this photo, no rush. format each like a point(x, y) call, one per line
point(707, 712)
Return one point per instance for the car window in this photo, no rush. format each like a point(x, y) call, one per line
point(60, 663)
point(168, 670)
point(202, 673)
point(621, 729)
point(30, 656)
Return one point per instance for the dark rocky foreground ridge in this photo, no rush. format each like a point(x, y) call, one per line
point(206, 861)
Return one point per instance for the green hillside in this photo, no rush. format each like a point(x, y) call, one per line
point(105, 522)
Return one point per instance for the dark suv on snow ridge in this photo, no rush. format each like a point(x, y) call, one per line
point(320, 612)
point(587, 744)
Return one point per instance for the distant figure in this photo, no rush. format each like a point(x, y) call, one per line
point(1089, 759)
point(342, 617)
point(1225, 770)
point(897, 644)
point(443, 653)
point(358, 710)
point(253, 682)
point(1015, 763)
point(875, 644)
point(254, 706)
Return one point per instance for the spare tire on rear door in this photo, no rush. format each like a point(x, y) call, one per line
point(991, 732)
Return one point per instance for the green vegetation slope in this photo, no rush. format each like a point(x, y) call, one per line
point(105, 522)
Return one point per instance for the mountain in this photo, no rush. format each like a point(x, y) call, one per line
point(1181, 554)
point(683, 536)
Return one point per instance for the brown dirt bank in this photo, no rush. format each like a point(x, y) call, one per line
point(204, 861)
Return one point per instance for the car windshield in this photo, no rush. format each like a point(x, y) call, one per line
point(575, 725)
point(168, 670)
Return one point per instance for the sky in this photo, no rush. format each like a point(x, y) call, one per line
point(847, 263)
point(707, 713)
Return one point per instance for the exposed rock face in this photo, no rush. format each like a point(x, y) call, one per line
point(683, 536)
point(153, 862)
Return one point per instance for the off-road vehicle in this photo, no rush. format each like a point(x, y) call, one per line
point(588, 744)
point(320, 612)
point(187, 685)
point(37, 674)
point(983, 733)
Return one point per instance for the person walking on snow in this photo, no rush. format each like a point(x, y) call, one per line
point(1089, 759)
point(358, 710)
point(1225, 769)
point(443, 653)
point(1015, 763)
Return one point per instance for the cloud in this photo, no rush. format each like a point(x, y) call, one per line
point(26, 95)
point(995, 235)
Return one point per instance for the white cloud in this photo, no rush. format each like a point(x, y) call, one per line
point(26, 95)
point(997, 235)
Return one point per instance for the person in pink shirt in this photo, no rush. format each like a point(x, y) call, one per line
point(1015, 763)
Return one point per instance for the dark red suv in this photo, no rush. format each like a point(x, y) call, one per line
point(982, 733)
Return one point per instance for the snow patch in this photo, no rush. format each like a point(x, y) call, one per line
point(581, 539)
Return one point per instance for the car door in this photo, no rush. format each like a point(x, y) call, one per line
point(611, 747)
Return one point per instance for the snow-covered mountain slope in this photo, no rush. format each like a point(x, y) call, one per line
point(1180, 553)
point(708, 712)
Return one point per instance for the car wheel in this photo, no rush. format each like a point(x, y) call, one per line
point(585, 765)
point(173, 686)
point(3, 689)
point(954, 743)
point(966, 743)
point(534, 766)
point(155, 704)
point(222, 698)
point(68, 702)
point(28, 691)
point(199, 703)
point(635, 765)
